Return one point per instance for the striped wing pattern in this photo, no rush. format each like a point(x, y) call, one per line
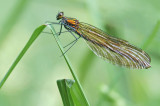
point(117, 51)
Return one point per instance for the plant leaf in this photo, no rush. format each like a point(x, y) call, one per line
point(70, 93)
point(29, 43)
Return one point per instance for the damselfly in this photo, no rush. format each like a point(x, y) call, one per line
point(117, 51)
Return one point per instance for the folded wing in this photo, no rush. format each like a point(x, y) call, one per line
point(117, 51)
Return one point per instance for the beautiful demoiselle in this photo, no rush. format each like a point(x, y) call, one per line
point(117, 51)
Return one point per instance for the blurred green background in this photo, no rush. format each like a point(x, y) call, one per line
point(33, 81)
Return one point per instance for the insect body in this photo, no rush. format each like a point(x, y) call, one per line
point(117, 51)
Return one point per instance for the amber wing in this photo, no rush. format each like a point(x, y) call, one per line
point(117, 51)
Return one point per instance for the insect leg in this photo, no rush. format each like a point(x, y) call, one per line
point(73, 34)
point(60, 29)
point(56, 33)
point(73, 42)
point(48, 22)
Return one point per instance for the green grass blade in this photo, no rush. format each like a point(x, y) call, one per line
point(29, 43)
point(12, 19)
point(64, 87)
point(79, 88)
point(152, 36)
point(77, 97)
point(70, 93)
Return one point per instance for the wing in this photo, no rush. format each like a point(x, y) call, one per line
point(117, 51)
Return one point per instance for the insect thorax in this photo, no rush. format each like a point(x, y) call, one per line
point(70, 23)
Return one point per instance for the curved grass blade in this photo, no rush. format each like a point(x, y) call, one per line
point(29, 43)
point(70, 93)
point(64, 87)
point(79, 88)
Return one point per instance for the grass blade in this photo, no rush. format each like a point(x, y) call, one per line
point(70, 93)
point(29, 43)
point(79, 88)
point(64, 87)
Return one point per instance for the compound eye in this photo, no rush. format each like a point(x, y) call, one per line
point(60, 15)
